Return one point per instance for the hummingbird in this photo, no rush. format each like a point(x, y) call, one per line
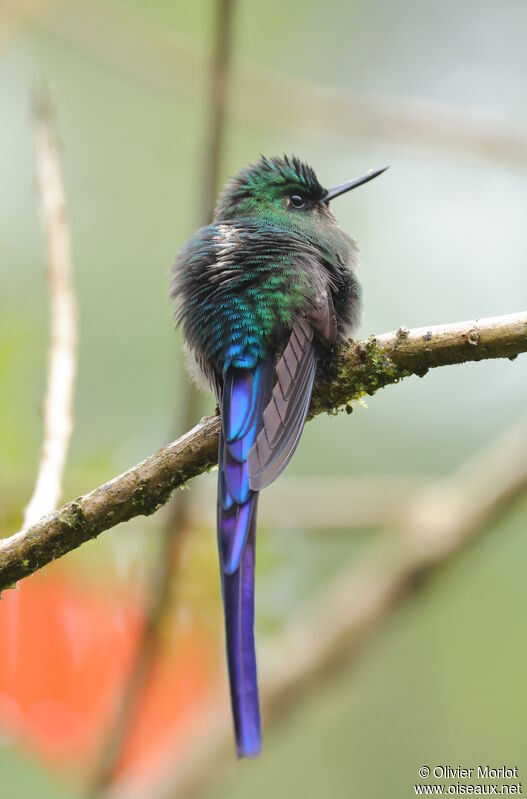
point(262, 295)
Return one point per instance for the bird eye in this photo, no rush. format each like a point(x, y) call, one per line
point(297, 201)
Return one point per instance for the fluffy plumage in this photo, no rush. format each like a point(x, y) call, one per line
point(260, 294)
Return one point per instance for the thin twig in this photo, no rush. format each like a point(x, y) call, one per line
point(434, 527)
point(178, 522)
point(62, 357)
point(218, 98)
point(355, 368)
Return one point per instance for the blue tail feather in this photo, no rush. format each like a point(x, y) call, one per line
point(238, 601)
point(234, 526)
point(245, 394)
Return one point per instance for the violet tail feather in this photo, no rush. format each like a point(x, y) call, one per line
point(238, 603)
point(244, 394)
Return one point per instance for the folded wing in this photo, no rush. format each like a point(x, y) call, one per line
point(285, 415)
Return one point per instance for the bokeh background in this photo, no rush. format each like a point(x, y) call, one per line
point(437, 90)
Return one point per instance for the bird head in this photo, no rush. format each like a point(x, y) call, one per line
point(285, 192)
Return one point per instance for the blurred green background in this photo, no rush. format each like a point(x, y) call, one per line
point(443, 238)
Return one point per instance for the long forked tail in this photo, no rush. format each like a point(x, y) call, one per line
point(244, 394)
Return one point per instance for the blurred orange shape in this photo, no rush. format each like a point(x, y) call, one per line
point(66, 652)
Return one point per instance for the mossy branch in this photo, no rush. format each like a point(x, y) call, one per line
point(354, 369)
